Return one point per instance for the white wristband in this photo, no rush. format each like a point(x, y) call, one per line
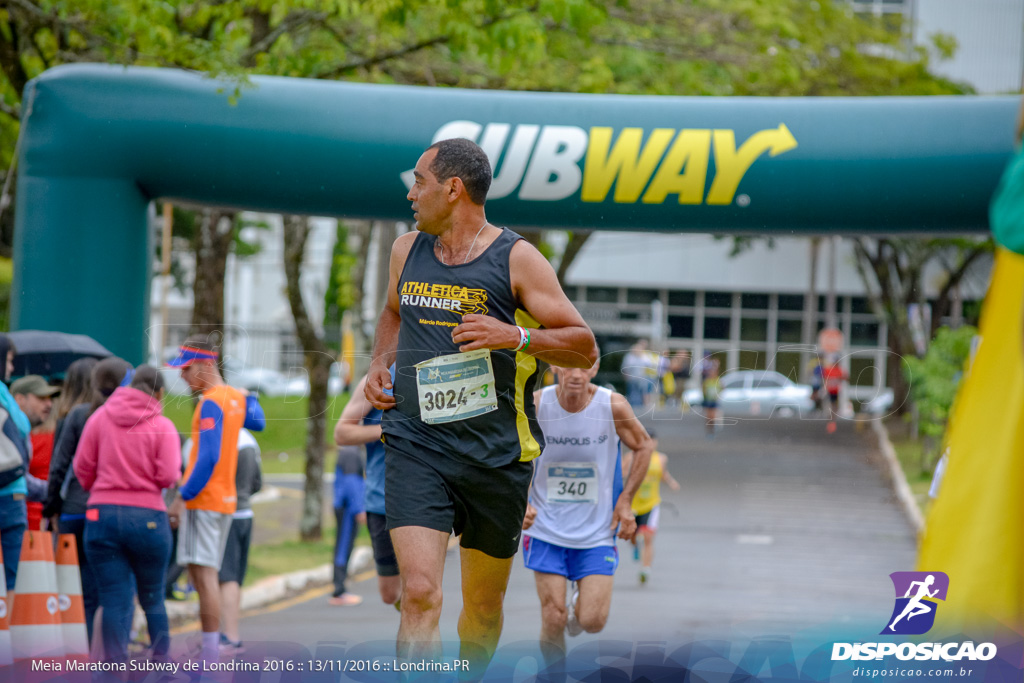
point(522, 338)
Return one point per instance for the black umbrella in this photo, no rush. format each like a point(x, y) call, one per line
point(50, 353)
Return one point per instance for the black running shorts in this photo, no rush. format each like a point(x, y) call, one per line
point(383, 551)
point(485, 505)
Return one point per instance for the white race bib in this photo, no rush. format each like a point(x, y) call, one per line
point(456, 387)
point(572, 482)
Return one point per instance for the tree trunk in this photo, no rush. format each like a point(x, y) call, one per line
point(357, 319)
point(577, 238)
point(211, 245)
point(317, 359)
point(387, 233)
point(889, 287)
point(809, 328)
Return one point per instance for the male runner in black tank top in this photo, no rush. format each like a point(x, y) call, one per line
point(460, 429)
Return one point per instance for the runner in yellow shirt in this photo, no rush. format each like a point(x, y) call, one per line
point(647, 506)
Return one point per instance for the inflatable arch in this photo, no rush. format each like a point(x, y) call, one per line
point(100, 142)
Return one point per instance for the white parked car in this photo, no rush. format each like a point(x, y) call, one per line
point(263, 381)
point(758, 393)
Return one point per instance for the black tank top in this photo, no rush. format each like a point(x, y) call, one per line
point(433, 297)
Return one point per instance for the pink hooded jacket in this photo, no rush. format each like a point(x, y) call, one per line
point(129, 452)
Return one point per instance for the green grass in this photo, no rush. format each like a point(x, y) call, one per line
point(908, 452)
point(289, 556)
point(282, 443)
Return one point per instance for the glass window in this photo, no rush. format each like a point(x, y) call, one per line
point(680, 326)
point(716, 328)
point(791, 302)
point(863, 372)
point(681, 298)
point(860, 304)
point(754, 329)
point(718, 299)
point(753, 360)
point(755, 301)
point(787, 363)
point(572, 292)
point(769, 382)
point(864, 334)
point(735, 381)
point(604, 295)
point(641, 296)
point(790, 331)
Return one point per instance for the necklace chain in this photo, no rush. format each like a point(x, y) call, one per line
point(468, 254)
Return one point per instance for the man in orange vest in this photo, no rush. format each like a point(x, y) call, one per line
point(206, 500)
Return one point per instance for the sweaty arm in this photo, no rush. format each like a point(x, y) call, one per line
point(350, 430)
point(385, 341)
point(634, 436)
point(563, 339)
point(211, 429)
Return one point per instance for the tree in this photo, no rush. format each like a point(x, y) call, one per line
point(317, 359)
point(892, 270)
point(936, 378)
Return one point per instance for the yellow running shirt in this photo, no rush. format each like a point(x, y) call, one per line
point(649, 493)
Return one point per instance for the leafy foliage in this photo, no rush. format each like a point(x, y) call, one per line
point(340, 295)
point(936, 376)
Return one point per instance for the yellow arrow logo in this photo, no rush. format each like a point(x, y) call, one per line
point(731, 164)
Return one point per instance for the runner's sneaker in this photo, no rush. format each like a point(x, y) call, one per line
point(644, 576)
point(345, 600)
point(230, 648)
point(572, 625)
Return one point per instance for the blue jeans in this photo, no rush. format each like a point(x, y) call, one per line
point(90, 588)
point(13, 522)
point(125, 543)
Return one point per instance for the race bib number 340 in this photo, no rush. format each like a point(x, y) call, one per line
point(572, 482)
point(456, 387)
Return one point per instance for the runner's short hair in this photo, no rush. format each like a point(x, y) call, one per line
point(463, 159)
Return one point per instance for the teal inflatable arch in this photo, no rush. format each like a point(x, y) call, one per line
point(99, 143)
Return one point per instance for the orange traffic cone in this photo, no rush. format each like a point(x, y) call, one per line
point(35, 618)
point(72, 606)
point(5, 633)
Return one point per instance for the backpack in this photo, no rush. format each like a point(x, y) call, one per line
point(13, 450)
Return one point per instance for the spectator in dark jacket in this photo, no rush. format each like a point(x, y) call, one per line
point(84, 388)
point(129, 452)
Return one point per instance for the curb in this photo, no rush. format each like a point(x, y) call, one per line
point(898, 478)
point(270, 590)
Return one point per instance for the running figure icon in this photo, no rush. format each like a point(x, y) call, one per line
point(916, 607)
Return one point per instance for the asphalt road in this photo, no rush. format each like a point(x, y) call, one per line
point(780, 530)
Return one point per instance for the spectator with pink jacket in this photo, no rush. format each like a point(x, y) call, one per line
point(129, 452)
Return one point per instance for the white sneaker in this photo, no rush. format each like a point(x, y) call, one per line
point(572, 625)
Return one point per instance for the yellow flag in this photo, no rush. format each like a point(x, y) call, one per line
point(975, 528)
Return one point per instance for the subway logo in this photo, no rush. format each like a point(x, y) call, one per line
point(629, 165)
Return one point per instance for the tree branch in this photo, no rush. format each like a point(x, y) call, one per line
point(418, 46)
point(264, 37)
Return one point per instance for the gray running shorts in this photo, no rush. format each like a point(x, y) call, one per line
point(202, 537)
